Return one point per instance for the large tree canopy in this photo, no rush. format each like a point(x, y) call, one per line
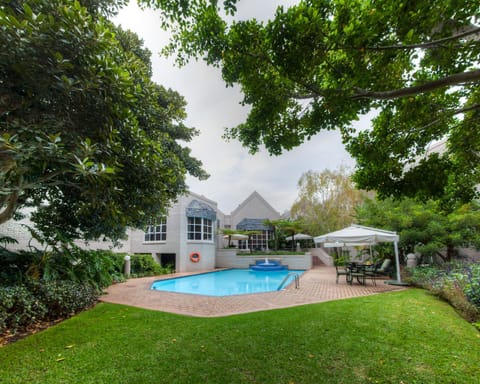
point(321, 64)
point(85, 135)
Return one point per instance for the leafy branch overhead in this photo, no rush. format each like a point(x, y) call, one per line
point(320, 65)
point(85, 135)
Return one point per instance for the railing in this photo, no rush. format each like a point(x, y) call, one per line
point(297, 280)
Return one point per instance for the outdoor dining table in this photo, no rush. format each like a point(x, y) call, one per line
point(357, 270)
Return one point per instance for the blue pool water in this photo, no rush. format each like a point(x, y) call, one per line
point(226, 283)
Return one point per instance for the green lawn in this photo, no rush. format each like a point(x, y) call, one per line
point(401, 337)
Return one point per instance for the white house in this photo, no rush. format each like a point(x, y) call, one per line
point(187, 238)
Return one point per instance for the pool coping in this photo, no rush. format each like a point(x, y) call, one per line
point(316, 285)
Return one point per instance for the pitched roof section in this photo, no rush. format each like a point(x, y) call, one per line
point(253, 225)
point(254, 195)
point(199, 209)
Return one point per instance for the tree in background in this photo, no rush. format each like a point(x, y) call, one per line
point(86, 137)
point(290, 227)
point(319, 65)
point(425, 228)
point(326, 200)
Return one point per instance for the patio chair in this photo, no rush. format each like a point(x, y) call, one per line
point(384, 268)
point(342, 271)
point(378, 270)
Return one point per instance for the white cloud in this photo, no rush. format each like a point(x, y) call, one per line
point(212, 106)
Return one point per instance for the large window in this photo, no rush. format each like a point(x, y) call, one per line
point(157, 231)
point(199, 228)
point(257, 242)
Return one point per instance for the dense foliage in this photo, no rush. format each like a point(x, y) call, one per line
point(85, 135)
point(425, 228)
point(458, 283)
point(46, 286)
point(320, 64)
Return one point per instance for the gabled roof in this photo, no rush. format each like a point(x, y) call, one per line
point(254, 195)
point(200, 209)
point(253, 225)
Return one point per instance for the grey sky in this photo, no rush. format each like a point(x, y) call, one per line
point(235, 174)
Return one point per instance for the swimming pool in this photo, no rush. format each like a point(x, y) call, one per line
point(227, 282)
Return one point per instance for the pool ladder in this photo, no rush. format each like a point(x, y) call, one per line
point(297, 280)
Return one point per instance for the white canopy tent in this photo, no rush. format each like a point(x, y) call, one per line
point(358, 234)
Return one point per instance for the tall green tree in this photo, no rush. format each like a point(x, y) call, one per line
point(326, 200)
point(320, 64)
point(85, 135)
point(424, 227)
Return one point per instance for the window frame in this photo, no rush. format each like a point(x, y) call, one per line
point(161, 223)
point(200, 229)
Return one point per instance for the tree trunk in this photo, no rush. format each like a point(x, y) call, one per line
point(8, 207)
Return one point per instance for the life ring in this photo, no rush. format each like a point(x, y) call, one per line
point(194, 257)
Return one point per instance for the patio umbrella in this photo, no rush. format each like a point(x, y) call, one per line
point(299, 236)
point(236, 236)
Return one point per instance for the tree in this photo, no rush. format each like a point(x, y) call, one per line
point(292, 227)
point(425, 228)
point(85, 135)
point(320, 64)
point(326, 200)
point(229, 232)
point(273, 224)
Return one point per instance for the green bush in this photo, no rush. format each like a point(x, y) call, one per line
point(457, 283)
point(144, 265)
point(22, 306)
point(64, 298)
point(19, 308)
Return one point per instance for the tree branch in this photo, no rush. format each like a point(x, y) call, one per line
point(456, 79)
point(10, 207)
point(430, 44)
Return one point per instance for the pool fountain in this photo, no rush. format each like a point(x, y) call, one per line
point(268, 265)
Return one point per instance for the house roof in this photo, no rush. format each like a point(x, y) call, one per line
point(254, 195)
point(253, 225)
point(200, 209)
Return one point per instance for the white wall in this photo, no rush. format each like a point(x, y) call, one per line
point(229, 259)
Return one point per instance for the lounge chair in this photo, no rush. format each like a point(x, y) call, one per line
point(378, 270)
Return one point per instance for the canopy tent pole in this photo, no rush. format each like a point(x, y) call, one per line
point(397, 260)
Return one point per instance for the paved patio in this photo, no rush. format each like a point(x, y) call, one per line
point(316, 285)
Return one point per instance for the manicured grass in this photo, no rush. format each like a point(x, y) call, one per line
point(401, 337)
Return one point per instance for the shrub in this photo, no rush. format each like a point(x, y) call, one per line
point(144, 265)
point(19, 308)
point(459, 284)
point(64, 298)
point(22, 306)
point(472, 284)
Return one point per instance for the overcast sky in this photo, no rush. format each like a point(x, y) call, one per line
point(234, 173)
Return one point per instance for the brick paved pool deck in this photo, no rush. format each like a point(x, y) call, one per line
point(316, 285)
